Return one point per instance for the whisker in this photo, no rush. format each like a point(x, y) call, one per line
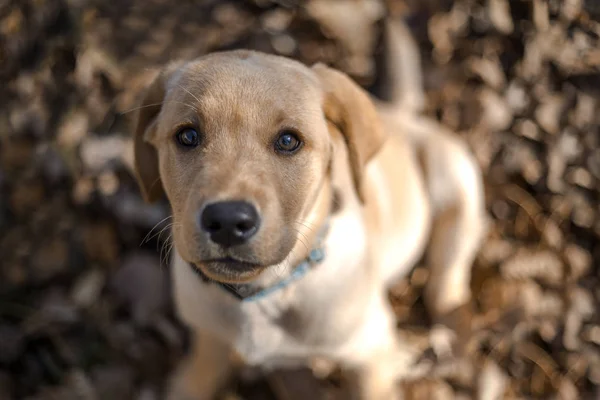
point(159, 233)
point(141, 107)
point(301, 241)
point(164, 229)
point(154, 105)
point(160, 254)
point(146, 238)
point(306, 225)
point(190, 93)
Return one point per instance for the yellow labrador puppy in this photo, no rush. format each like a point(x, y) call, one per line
point(297, 200)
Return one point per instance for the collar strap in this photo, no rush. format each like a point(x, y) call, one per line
point(247, 292)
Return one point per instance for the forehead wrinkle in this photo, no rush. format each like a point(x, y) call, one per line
point(243, 110)
point(245, 96)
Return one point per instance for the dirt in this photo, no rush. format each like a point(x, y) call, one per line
point(85, 307)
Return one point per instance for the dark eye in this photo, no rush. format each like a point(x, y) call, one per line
point(287, 142)
point(188, 137)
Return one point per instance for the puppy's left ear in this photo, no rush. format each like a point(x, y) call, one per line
point(146, 157)
point(350, 109)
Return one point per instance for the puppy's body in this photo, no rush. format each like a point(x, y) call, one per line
point(382, 179)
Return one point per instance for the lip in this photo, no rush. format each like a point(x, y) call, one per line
point(227, 269)
point(232, 263)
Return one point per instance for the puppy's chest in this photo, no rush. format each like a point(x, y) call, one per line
point(281, 330)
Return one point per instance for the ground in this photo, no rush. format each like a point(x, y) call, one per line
point(85, 308)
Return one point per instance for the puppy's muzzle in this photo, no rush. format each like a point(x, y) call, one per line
point(230, 223)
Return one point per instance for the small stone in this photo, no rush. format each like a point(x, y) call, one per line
point(539, 304)
point(552, 234)
point(83, 190)
point(87, 288)
point(497, 250)
point(72, 130)
point(556, 168)
point(592, 334)
point(108, 183)
point(593, 163)
point(516, 97)
point(441, 339)
point(492, 382)
point(497, 114)
point(579, 260)
point(567, 390)
point(581, 309)
point(542, 264)
point(226, 14)
point(284, 44)
point(581, 177)
point(571, 9)
point(532, 171)
point(583, 214)
point(547, 331)
point(541, 18)
point(531, 65)
point(499, 14)
point(582, 303)
point(99, 153)
point(489, 71)
point(569, 145)
point(585, 111)
point(528, 129)
point(276, 21)
point(549, 112)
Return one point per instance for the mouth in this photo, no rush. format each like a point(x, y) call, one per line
point(227, 270)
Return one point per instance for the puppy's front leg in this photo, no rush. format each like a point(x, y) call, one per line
point(378, 378)
point(383, 358)
point(202, 372)
point(374, 381)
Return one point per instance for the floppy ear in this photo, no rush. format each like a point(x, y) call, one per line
point(348, 107)
point(145, 155)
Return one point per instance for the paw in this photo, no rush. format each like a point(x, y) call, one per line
point(452, 331)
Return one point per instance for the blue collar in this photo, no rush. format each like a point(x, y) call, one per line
point(246, 292)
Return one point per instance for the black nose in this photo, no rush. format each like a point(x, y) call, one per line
point(230, 223)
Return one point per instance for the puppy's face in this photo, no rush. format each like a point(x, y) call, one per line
point(239, 143)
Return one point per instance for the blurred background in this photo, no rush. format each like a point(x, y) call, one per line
point(85, 309)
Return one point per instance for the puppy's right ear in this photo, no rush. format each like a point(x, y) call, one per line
point(145, 154)
point(348, 107)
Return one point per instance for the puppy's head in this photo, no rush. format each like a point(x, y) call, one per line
point(239, 142)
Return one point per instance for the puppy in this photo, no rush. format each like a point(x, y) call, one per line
point(297, 199)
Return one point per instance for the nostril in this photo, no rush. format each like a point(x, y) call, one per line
point(245, 226)
point(213, 226)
